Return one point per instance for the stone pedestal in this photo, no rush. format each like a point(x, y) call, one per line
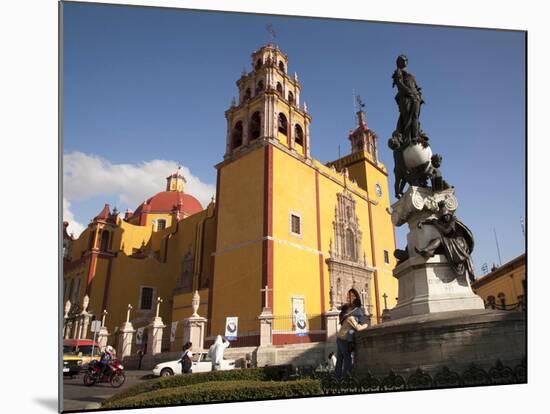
point(266, 327)
point(68, 328)
point(194, 331)
point(332, 324)
point(102, 338)
point(428, 286)
point(431, 341)
point(125, 343)
point(156, 327)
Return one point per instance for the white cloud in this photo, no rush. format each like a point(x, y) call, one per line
point(86, 176)
point(74, 226)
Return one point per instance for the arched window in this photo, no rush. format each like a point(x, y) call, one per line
point(350, 244)
point(104, 241)
point(290, 97)
point(258, 64)
point(259, 86)
point(281, 66)
point(490, 302)
point(255, 125)
point(298, 135)
point(237, 135)
point(247, 94)
point(283, 124)
point(279, 88)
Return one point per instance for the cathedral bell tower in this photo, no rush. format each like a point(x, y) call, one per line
point(268, 107)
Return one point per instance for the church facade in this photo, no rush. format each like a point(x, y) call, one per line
point(286, 233)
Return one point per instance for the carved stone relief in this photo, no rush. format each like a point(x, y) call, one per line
point(347, 264)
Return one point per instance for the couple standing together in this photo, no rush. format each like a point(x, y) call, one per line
point(352, 318)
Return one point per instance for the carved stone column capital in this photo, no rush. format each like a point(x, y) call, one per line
point(421, 200)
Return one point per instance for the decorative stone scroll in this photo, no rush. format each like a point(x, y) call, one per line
point(420, 199)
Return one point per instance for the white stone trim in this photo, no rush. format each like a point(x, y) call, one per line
point(277, 240)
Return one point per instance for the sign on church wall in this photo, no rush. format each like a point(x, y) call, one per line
point(231, 327)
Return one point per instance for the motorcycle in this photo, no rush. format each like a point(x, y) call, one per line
point(113, 374)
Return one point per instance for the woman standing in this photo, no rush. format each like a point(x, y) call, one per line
point(186, 359)
point(348, 323)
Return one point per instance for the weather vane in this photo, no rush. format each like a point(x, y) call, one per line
point(271, 32)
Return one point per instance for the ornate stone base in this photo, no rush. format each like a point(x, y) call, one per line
point(194, 331)
point(431, 286)
point(266, 327)
point(453, 339)
point(332, 324)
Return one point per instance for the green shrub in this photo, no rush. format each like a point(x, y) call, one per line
point(220, 392)
point(276, 373)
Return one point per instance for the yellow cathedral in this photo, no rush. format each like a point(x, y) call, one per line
point(285, 232)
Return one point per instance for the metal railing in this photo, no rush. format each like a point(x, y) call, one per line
point(419, 380)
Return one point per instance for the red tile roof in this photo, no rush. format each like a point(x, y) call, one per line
point(167, 201)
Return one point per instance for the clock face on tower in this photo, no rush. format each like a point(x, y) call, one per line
point(378, 190)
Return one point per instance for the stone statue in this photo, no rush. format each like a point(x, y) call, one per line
point(456, 241)
point(85, 303)
point(195, 303)
point(438, 183)
point(409, 100)
point(399, 168)
point(412, 154)
point(67, 308)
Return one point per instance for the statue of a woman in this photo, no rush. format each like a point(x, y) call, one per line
point(409, 99)
point(456, 240)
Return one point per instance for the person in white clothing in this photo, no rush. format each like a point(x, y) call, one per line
point(216, 352)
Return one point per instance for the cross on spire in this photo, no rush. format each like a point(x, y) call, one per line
point(271, 32)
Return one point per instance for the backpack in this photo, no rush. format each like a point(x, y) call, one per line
point(186, 364)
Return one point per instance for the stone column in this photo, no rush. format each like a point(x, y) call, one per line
point(103, 333)
point(76, 327)
point(127, 332)
point(85, 325)
point(331, 322)
point(156, 327)
point(194, 329)
point(266, 327)
point(102, 338)
point(68, 326)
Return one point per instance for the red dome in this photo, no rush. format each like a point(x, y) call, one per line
point(166, 201)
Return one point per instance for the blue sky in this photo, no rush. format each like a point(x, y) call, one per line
point(145, 88)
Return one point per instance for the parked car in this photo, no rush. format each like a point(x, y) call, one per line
point(201, 363)
point(77, 353)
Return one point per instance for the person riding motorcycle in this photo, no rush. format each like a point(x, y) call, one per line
point(106, 357)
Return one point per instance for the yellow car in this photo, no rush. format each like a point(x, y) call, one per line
point(77, 353)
